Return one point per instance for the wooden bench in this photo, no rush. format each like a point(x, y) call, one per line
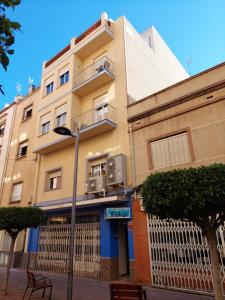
point(37, 282)
point(127, 291)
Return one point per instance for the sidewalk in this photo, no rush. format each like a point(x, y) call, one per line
point(84, 289)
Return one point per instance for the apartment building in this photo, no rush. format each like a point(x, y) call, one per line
point(19, 175)
point(6, 121)
point(179, 127)
point(88, 85)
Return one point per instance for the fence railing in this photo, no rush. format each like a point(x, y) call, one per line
point(103, 64)
point(102, 112)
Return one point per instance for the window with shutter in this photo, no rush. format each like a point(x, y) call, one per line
point(2, 129)
point(54, 180)
point(22, 151)
point(16, 191)
point(171, 150)
point(61, 115)
point(45, 124)
point(101, 110)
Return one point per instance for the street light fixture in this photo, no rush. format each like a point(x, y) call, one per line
point(65, 131)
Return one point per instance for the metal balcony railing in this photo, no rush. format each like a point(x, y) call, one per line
point(103, 64)
point(102, 112)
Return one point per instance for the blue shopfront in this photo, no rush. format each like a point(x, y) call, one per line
point(104, 238)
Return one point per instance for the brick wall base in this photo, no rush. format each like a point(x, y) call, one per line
point(109, 268)
point(142, 270)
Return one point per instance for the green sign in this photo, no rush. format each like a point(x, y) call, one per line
point(117, 213)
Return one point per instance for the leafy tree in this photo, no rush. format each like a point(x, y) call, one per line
point(7, 31)
point(196, 195)
point(14, 220)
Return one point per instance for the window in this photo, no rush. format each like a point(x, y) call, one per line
point(60, 115)
point(0, 150)
point(99, 169)
point(101, 110)
point(2, 129)
point(45, 127)
point(16, 191)
point(27, 113)
point(64, 78)
point(61, 119)
point(45, 124)
point(54, 179)
point(22, 151)
point(49, 88)
point(171, 150)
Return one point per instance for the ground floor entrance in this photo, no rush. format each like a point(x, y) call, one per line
point(103, 246)
point(53, 247)
point(179, 255)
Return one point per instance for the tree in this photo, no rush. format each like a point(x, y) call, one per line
point(7, 32)
point(14, 220)
point(196, 195)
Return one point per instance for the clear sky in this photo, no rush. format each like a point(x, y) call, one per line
point(193, 29)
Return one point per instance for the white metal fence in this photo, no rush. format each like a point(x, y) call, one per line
point(180, 255)
point(53, 252)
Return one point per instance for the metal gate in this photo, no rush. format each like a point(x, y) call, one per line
point(180, 255)
point(53, 252)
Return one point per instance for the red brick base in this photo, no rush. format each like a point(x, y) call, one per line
point(142, 270)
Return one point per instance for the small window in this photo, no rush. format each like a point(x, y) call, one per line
point(22, 151)
point(101, 111)
point(49, 88)
point(54, 180)
point(99, 169)
point(170, 150)
point(64, 78)
point(16, 192)
point(61, 119)
point(2, 129)
point(27, 113)
point(45, 127)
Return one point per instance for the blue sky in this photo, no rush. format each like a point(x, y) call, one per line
point(193, 29)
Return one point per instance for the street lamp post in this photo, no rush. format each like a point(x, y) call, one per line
point(66, 131)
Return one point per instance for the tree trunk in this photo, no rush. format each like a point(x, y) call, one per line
point(5, 288)
point(215, 265)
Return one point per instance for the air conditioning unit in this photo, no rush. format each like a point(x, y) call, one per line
point(116, 170)
point(96, 184)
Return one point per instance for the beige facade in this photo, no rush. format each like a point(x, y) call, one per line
point(87, 85)
point(19, 177)
point(179, 127)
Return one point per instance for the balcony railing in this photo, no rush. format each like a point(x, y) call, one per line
point(104, 64)
point(103, 112)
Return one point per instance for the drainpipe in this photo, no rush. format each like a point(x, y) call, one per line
point(132, 157)
point(38, 159)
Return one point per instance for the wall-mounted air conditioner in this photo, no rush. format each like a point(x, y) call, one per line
point(116, 171)
point(96, 184)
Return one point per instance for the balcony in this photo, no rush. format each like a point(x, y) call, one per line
point(93, 38)
point(97, 120)
point(92, 122)
point(94, 76)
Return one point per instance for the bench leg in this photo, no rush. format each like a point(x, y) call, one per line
point(25, 292)
point(31, 293)
point(43, 294)
point(50, 295)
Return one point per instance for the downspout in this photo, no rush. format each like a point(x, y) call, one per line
point(132, 157)
point(38, 159)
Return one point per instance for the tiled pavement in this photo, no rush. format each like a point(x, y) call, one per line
point(84, 289)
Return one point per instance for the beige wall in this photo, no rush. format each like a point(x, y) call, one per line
point(6, 117)
point(200, 111)
point(21, 169)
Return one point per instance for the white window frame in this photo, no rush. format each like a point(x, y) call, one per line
point(45, 127)
point(49, 88)
point(52, 180)
point(61, 119)
point(64, 78)
point(2, 129)
point(26, 110)
point(21, 146)
point(17, 197)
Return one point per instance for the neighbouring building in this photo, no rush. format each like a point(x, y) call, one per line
point(6, 122)
point(20, 167)
point(179, 127)
point(88, 85)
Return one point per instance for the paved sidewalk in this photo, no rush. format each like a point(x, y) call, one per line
point(84, 289)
